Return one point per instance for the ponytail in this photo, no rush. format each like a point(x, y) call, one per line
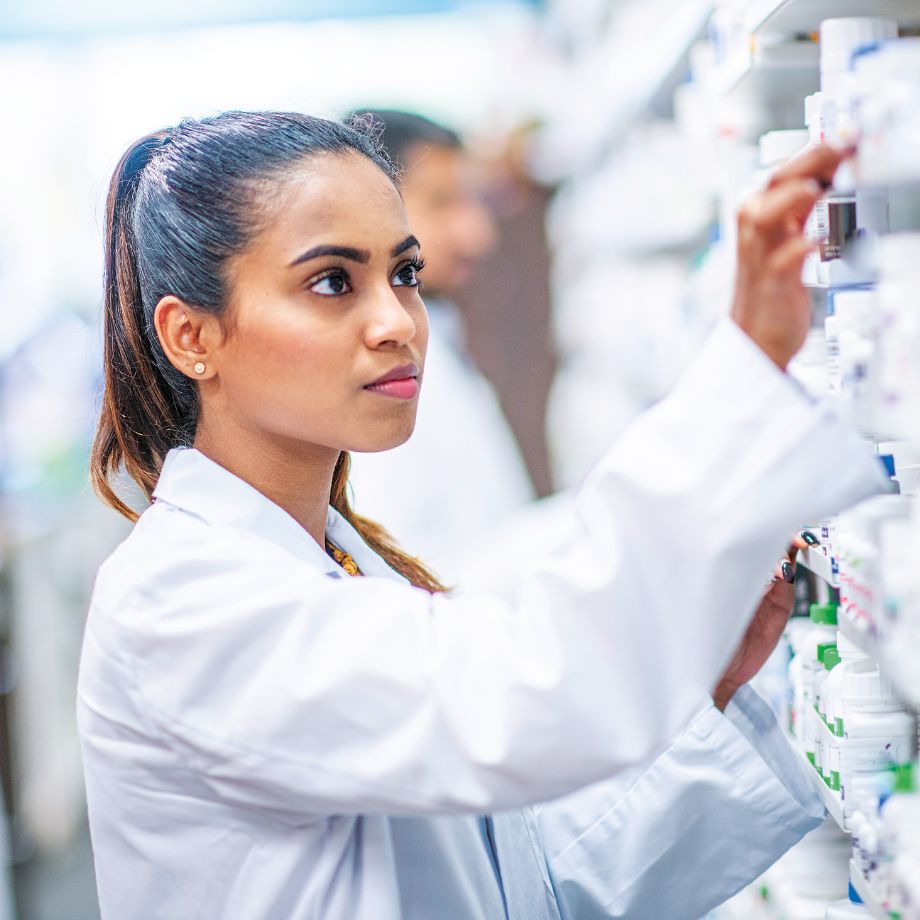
point(377, 537)
point(140, 418)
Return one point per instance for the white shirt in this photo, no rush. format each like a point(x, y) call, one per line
point(264, 737)
point(460, 474)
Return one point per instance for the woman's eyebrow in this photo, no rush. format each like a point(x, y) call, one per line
point(344, 252)
point(349, 252)
point(408, 243)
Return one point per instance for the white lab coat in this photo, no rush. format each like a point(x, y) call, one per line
point(266, 737)
point(461, 473)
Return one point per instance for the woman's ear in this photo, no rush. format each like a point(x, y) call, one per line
point(187, 337)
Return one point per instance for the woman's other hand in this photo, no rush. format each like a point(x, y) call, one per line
point(771, 304)
point(766, 627)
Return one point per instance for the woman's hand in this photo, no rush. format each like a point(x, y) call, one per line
point(766, 627)
point(771, 304)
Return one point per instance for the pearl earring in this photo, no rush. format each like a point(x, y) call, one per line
point(199, 367)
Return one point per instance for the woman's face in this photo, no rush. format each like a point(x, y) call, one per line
point(324, 303)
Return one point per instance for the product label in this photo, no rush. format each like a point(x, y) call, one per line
point(816, 228)
point(864, 754)
point(841, 227)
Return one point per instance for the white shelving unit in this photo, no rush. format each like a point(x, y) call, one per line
point(815, 561)
point(804, 16)
point(769, 71)
point(668, 61)
point(831, 801)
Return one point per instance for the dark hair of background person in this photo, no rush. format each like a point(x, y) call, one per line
point(181, 203)
point(397, 132)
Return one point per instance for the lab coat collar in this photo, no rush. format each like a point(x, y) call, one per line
point(194, 483)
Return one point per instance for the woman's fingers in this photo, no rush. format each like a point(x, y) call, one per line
point(787, 204)
point(819, 163)
point(771, 304)
point(809, 538)
point(784, 570)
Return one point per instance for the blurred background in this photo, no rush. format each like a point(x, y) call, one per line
point(601, 136)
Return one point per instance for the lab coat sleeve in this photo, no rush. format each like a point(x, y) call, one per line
point(708, 816)
point(308, 694)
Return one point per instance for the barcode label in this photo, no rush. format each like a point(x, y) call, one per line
point(819, 216)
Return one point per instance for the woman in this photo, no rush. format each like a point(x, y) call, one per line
point(267, 735)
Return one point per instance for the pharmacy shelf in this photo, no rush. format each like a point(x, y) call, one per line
point(804, 16)
point(831, 802)
point(870, 901)
point(815, 561)
point(749, 71)
point(674, 39)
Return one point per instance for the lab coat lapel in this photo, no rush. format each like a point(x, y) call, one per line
point(193, 482)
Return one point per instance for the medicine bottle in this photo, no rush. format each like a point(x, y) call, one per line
point(877, 731)
point(823, 630)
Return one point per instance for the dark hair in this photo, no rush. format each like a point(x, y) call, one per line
point(397, 131)
point(182, 202)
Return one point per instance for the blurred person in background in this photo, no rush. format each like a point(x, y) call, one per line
point(461, 474)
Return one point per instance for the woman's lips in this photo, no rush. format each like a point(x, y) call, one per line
point(404, 388)
point(400, 383)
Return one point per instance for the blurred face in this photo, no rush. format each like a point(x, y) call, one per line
point(446, 214)
point(325, 334)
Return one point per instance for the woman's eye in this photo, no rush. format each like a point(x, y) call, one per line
point(332, 284)
point(407, 276)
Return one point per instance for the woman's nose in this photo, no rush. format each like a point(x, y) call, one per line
point(390, 323)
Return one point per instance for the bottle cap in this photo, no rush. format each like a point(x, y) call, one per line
point(825, 614)
point(866, 690)
point(830, 658)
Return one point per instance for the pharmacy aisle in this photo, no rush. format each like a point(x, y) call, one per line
point(852, 669)
point(769, 79)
